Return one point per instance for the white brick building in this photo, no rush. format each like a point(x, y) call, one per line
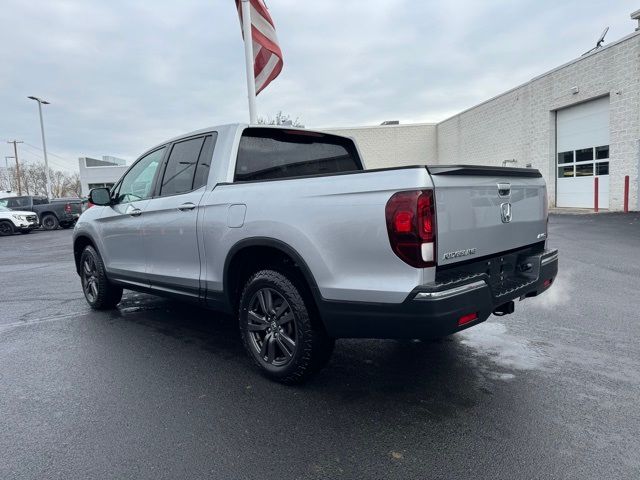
point(96, 173)
point(576, 122)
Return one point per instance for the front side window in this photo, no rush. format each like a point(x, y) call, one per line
point(266, 153)
point(137, 184)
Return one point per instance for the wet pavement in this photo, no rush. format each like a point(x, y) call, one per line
point(159, 389)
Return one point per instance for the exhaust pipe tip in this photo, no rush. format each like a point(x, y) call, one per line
point(505, 309)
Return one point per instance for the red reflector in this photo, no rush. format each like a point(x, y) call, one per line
point(547, 282)
point(467, 318)
point(402, 222)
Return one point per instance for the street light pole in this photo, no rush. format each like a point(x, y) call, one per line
point(44, 143)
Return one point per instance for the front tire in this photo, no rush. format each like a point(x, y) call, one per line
point(278, 330)
point(6, 229)
point(50, 222)
point(99, 293)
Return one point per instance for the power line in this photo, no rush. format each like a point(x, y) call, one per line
point(35, 158)
point(58, 163)
point(48, 152)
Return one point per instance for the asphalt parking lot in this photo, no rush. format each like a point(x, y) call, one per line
point(159, 389)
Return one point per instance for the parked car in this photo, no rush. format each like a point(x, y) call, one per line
point(82, 201)
point(52, 213)
point(12, 221)
point(283, 228)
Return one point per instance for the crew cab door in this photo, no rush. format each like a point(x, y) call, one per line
point(124, 249)
point(170, 222)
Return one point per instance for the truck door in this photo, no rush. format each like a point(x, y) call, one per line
point(170, 223)
point(121, 223)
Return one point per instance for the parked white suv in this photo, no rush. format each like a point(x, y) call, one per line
point(12, 221)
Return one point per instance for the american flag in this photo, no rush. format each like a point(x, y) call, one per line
point(267, 56)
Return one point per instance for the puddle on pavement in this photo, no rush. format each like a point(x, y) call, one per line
point(498, 353)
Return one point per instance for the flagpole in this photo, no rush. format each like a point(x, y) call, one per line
point(248, 54)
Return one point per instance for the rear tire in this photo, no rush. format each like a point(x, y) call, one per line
point(50, 222)
point(278, 330)
point(6, 229)
point(98, 291)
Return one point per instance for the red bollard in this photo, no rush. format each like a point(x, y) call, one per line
point(595, 194)
point(626, 194)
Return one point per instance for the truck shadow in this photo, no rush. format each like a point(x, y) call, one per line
point(431, 379)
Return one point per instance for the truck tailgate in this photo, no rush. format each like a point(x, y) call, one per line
point(483, 211)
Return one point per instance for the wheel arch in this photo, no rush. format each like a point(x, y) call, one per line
point(266, 252)
point(79, 244)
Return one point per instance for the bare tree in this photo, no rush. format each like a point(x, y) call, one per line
point(281, 119)
point(33, 180)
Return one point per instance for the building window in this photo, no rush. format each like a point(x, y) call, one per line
point(584, 170)
point(584, 155)
point(602, 152)
point(582, 162)
point(602, 168)
point(100, 185)
point(564, 172)
point(565, 157)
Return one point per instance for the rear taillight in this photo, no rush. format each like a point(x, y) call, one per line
point(411, 224)
point(67, 208)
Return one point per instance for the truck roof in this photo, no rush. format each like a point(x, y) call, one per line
point(226, 127)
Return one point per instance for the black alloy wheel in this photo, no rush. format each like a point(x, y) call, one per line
point(271, 327)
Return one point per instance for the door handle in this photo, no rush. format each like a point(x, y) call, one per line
point(185, 207)
point(135, 212)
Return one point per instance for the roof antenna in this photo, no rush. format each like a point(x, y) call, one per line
point(598, 43)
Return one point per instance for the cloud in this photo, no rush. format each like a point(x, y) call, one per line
point(123, 75)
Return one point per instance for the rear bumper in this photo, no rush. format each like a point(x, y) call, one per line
point(69, 217)
point(434, 311)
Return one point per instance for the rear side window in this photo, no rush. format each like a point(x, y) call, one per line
point(17, 202)
point(267, 153)
point(204, 162)
point(188, 166)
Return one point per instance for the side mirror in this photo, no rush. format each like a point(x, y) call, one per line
point(100, 196)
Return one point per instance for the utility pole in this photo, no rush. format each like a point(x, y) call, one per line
point(6, 166)
point(15, 153)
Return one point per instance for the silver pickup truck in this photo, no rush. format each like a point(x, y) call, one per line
point(285, 229)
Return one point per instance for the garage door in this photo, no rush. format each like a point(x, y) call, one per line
point(582, 154)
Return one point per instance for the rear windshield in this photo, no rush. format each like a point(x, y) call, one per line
point(269, 153)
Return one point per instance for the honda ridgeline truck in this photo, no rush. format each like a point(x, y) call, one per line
point(286, 230)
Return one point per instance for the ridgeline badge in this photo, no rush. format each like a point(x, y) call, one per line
point(459, 253)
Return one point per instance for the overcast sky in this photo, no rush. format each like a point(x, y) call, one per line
point(123, 75)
